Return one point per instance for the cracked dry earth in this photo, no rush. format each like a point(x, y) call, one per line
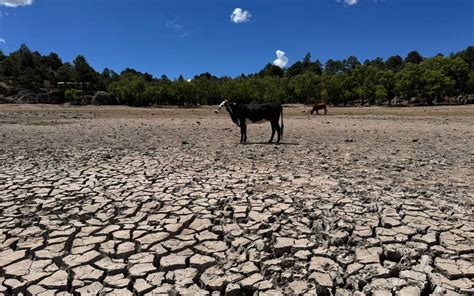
point(123, 201)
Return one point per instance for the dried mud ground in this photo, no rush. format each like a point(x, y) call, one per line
point(122, 201)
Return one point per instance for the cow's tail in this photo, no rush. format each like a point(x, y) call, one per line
point(281, 133)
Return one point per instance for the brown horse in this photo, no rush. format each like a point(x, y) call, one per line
point(317, 107)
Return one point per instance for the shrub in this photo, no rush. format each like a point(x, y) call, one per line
point(104, 98)
point(74, 96)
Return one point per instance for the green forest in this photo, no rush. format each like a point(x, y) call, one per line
point(26, 76)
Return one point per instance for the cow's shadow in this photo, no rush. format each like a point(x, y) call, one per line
point(266, 143)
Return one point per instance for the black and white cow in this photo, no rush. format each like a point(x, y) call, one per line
point(239, 113)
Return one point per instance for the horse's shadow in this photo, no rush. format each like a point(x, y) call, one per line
point(267, 143)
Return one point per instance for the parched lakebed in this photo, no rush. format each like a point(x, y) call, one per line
point(162, 201)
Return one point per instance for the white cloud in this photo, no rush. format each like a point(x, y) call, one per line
point(172, 24)
point(178, 28)
point(350, 2)
point(15, 3)
point(355, 2)
point(282, 59)
point(240, 16)
point(3, 41)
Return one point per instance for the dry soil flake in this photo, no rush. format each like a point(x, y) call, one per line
point(213, 278)
point(30, 270)
point(367, 256)
point(87, 273)
point(172, 262)
point(201, 262)
point(57, 280)
point(298, 287)
point(141, 270)
point(211, 247)
point(232, 289)
point(111, 266)
point(117, 281)
point(283, 245)
point(86, 258)
point(9, 256)
point(250, 283)
point(141, 287)
point(455, 269)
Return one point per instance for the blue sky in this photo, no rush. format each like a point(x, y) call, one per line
point(176, 37)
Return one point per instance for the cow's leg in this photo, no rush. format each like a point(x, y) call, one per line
point(278, 128)
point(243, 132)
point(317, 111)
point(273, 132)
point(325, 111)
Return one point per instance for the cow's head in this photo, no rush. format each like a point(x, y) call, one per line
point(231, 108)
point(218, 109)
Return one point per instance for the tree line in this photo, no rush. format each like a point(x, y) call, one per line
point(414, 78)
